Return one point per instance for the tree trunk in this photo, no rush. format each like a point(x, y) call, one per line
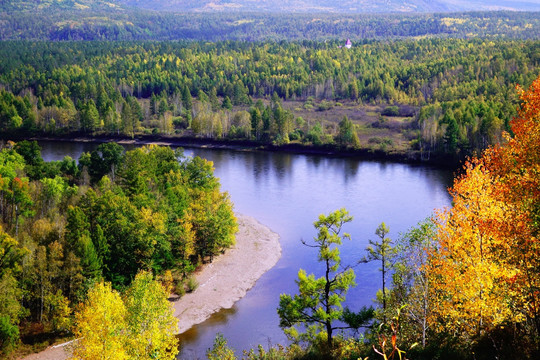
point(16, 221)
point(330, 340)
point(384, 289)
point(327, 305)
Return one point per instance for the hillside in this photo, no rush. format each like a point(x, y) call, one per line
point(343, 6)
point(262, 20)
point(287, 6)
point(29, 5)
point(121, 24)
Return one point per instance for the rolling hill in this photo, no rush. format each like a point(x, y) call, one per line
point(278, 6)
point(343, 6)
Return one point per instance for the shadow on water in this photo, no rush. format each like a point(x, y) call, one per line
point(193, 335)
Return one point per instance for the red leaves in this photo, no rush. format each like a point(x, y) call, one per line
point(487, 243)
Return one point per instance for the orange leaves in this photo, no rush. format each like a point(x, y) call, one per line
point(484, 271)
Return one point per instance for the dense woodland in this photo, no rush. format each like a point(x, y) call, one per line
point(105, 23)
point(457, 96)
point(66, 227)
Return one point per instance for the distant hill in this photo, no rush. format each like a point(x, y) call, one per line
point(334, 6)
point(343, 6)
point(288, 6)
point(262, 20)
point(32, 5)
point(486, 5)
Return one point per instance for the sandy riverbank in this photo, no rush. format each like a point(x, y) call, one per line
point(221, 283)
point(229, 277)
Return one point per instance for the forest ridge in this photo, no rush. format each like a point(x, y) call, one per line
point(344, 6)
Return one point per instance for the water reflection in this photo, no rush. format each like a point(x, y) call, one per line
point(282, 166)
point(51, 150)
point(193, 334)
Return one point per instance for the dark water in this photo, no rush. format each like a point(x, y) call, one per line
point(287, 192)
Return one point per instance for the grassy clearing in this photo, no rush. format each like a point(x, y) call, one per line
point(375, 131)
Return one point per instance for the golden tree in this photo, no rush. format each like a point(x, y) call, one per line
point(101, 325)
point(141, 326)
point(150, 321)
point(485, 270)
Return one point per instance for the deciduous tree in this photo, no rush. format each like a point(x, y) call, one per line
point(485, 269)
point(101, 326)
point(151, 325)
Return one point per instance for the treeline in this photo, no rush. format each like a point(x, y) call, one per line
point(464, 89)
point(65, 227)
point(104, 22)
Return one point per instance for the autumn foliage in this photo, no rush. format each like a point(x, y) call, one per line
point(485, 271)
point(140, 325)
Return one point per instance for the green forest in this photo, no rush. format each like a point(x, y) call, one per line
point(94, 20)
point(68, 226)
point(418, 98)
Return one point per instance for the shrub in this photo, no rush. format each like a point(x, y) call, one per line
point(391, 111)
point(9, 333)
point(192, 284)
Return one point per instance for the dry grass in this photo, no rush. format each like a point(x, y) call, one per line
point(388, 132)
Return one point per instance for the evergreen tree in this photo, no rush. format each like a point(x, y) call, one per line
point(89, 117)
point(227, 104)
point(319, 303)
point(347, 135)
point(187, 101)
point(384, 252)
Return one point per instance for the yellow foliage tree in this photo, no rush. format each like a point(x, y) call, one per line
point(151, 324)
point(141, 326)
point(101, 326)
point(486, 268)
point(516, 165)
point(469, 280)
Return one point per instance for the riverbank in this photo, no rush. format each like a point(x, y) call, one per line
point(221, 283)
point(227, 279)
point(409, 156)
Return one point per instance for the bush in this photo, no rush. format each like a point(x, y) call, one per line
point(192, 284)
point(295, 135)
point(220, 350)
point(180, 122)
point(180, 289)
point(9, 333)
point(391, 111)
point(325, 105)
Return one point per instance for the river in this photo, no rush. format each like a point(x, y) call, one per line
point(287, 192)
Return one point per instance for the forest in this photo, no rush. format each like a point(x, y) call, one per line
point(418, 98)
point(23, 20)
point(67, 227)
point(462, 284)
